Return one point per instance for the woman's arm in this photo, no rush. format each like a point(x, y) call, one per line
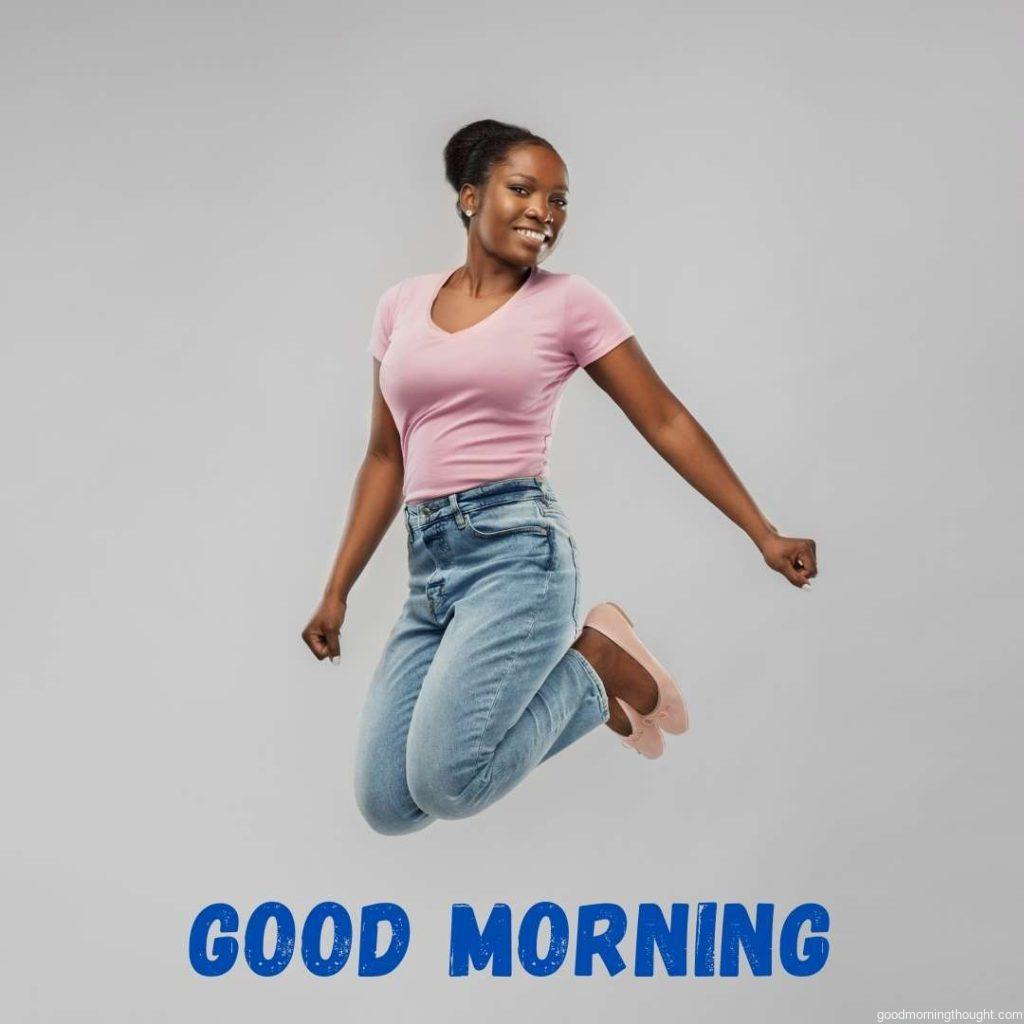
point(376, 498)
point(631, 381)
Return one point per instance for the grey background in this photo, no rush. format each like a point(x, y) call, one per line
point(810, 214)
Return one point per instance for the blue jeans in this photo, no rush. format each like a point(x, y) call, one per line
point(477, 684)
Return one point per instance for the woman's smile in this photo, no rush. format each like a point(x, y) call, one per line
point(534, 238)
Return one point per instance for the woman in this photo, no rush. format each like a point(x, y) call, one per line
point(488, 670)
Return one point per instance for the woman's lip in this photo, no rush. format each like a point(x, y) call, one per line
point(529, 238)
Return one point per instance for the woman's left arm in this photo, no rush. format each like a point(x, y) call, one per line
point(632, 383)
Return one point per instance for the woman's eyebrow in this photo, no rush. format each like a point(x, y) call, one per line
point(530, 177)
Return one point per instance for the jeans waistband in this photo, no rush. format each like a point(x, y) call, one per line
point(494, 492)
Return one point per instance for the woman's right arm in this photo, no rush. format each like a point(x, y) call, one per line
point(376, 498)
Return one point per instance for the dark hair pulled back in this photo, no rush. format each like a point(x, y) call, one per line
point(475, 148)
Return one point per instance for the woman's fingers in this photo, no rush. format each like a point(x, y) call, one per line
point(333, 644)
point(322, 632)
point(802, 565)
point(796, 558)
point(807, 559)
point(315, 641)
point(794, 575)
point(323, 641)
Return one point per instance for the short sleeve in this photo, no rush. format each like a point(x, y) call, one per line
point(593, 323)
point(384, 321)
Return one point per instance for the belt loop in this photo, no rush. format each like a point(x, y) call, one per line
point(545, 488)
point(460, 518)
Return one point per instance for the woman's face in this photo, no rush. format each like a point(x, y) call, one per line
point(529, 190)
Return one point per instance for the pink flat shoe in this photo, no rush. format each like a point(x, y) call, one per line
point(669, 713)
point(644, 739)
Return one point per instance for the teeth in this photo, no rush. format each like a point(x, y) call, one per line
point(532, 234)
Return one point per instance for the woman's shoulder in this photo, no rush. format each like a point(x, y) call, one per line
point(406, 284)
point(592, 324)
point(573, 289)
point(553, 278)
point(399, 293)
point(566, 281)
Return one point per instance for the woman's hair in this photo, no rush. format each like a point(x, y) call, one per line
point(475, 148)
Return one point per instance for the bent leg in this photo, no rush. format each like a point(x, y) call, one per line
point(504, 693)
point(382, 792)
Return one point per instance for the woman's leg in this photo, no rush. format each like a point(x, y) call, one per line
point(382, 792)
point(504, 691)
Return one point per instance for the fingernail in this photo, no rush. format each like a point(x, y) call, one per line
point(335, 659)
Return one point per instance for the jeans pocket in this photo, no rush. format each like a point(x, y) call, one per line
point(523, 516)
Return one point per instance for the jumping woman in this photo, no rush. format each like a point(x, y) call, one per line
point(488, 670)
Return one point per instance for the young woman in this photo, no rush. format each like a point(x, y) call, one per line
point(488, 670)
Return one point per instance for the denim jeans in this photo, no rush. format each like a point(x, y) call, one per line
point(477, 684)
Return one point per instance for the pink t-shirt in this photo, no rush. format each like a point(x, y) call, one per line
point(481, 404)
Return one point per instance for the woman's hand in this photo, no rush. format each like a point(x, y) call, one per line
point(794, 557)
point(321, 635)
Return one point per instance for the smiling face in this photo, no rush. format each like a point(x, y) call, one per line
point(521, 213)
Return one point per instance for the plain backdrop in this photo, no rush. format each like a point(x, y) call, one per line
point(809, 212)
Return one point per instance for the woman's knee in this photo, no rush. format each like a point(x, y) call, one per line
point(442, 788)
point(386, 812)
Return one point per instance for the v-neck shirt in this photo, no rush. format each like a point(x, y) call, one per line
point(481, 404)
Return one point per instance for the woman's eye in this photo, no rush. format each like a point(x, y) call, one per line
point(515, 188)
